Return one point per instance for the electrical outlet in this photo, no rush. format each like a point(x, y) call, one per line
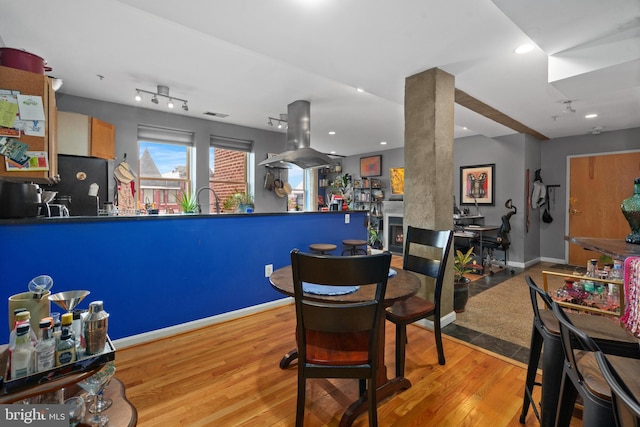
point(268, 269)
point(347, 218)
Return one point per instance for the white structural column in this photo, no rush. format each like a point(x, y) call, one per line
point(428, 160)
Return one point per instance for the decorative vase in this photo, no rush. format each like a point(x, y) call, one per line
point(631, 211)
point(460, 294)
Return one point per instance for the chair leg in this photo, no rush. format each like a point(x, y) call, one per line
point(534, 358)
point(301, 398)
point(437, 330)
point(401, 339)
point(372, 397)
point(567, 401)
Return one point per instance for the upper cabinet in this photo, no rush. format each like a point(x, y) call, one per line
point(28, 83)
point(81, 135)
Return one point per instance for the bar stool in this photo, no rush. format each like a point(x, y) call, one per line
point(609, 336)
point(322, 248)
point(351, 246)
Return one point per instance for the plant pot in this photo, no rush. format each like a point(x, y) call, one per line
point(460, 295)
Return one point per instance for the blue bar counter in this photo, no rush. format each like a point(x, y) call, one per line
point(158, 271)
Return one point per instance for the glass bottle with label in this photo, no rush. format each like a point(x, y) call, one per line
point(46, 348)
point(22, 353)
point(66, 348)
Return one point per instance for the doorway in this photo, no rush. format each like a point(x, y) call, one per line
point(597, 186)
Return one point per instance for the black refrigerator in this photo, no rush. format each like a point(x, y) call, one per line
point(77, 173)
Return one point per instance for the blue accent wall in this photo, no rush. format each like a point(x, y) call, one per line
point(159, 271)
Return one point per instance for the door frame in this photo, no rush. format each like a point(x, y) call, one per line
point(568, 184)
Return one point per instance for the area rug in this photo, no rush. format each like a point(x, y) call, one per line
point(504, 311)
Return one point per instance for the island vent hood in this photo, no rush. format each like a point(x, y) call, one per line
point(299, 151)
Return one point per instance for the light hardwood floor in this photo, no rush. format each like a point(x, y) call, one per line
point(228, 375)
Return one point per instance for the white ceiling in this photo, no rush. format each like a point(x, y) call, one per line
point(251, 58)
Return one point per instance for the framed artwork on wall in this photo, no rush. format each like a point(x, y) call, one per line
point(370, 166)
point(477, 184)
point(397, 180)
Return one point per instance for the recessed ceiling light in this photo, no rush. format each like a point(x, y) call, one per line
point(525, 48)
point(332, 132)
point(465, 128)
point(591, 116)
point(383, 142)
point(359, 89)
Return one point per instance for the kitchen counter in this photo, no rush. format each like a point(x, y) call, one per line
point(159, 271)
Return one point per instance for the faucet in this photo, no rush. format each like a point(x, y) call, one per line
point(214, 195)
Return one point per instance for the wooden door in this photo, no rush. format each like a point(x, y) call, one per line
point(597, 187)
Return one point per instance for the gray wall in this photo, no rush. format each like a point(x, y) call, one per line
point(126, 120)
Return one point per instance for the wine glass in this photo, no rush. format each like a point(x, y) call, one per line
point(102, 403)
point(76, 410)
point(93, 385)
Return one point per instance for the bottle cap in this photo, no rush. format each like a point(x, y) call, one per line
point(22, 329)
point(18, 310)
point(44, 324)
point(67, 319)
point(76, 314)
point(22, 316)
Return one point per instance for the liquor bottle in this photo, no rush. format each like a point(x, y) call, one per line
point(22, 353)
point(46, 348)
point(631, 211)
point(65, 349)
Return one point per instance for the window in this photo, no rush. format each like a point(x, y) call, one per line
point(296, 180)
point(229, 168)
point(164, 164)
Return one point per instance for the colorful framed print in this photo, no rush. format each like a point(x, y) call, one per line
point(477, 185)
point(370, 166)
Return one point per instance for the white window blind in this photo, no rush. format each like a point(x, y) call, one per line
point(229, 143)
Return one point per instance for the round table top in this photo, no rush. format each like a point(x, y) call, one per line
point(401, 286)
point(322, 247)
point(354, 242)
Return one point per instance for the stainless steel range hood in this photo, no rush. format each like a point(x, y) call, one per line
point(299, 151)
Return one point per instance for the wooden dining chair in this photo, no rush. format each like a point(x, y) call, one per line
point(626, 409)
point(338, 338)
point(415, 308)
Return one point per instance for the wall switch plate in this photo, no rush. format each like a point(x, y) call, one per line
point(268, 269)
point(347, 218)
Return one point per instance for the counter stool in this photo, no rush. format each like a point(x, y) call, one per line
point(351, 246)
point(323, 248)
point(608, 335)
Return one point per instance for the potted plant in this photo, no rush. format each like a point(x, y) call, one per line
point(188, 202)
point(238, 201)
point(460, 283)
point(374, 238)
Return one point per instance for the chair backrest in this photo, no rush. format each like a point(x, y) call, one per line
point(319, 317)
point(572, 339)
point(534, 292)
point(626, 408)
point(433, 267)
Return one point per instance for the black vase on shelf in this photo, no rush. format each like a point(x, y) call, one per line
point(631, 211)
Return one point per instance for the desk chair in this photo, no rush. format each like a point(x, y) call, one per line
point(608, 335)
point(626, 409)
point(499, 243)
point(581, 375)
point(415, 308)
point(338, 339)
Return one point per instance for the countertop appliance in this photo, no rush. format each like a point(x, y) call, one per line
point(77, 174)
point(19, 200)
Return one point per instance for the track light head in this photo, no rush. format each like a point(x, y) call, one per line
point(170, 103)
point(185, 107)
point(154, 99)
point(270, 122)
point(138, 96)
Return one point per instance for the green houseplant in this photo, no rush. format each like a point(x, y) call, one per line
point(461, 267)
point(188, 202)
point(238, 201)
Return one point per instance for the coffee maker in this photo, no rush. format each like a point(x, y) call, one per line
point(336, 202)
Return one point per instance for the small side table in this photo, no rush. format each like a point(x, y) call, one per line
point(352, 246)
point(323, 248)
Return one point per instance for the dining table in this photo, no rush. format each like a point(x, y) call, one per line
point(401, 285)
point(628, 369)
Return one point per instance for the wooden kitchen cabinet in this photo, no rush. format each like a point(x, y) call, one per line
point(39, 85)
point(82, 135)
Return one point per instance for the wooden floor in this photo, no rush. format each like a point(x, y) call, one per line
point(228, 375)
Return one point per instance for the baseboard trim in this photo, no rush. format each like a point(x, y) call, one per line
point(444, 321)
point(196, 324)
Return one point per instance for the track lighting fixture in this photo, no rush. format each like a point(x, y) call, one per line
point(162, 91)
point(279, 123)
